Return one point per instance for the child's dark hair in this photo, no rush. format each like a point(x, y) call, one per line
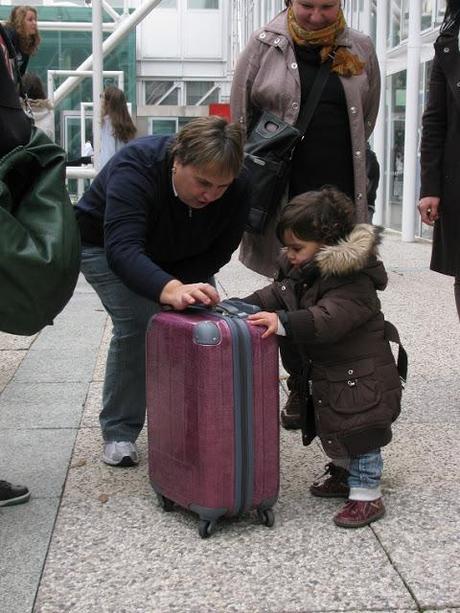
point(326, 216)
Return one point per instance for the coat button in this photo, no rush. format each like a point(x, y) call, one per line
point(295, 105)
point(351, 383)
point(276, 41)
point(294, 65)
point(320, 402)
point(262, 36)
point(351, 371)
point(458, 84)
point(358, 197)
point(283, 287)
point(446, 50)
point(353, 110)
point(358, 154)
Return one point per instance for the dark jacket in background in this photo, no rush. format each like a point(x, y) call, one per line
point(150, 236)
point(22, 59)
point(330, 309)
point(440, 153)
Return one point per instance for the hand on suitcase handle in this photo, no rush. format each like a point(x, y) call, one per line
point(180, 296)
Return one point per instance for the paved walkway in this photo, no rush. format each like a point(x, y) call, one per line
point(92, 538)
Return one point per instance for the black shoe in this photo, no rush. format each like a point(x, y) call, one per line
point(291, 415)
point(12, 494)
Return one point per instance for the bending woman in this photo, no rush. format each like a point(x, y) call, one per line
point(440, 180)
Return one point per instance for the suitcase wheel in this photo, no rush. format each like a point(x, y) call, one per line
point(266, 516)
point(206, 528)
point(165, 503)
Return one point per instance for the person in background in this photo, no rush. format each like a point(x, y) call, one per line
point(15, 130)
point(159, 220)
point(41, 107)
point(117, 126)
point(289, 51)
point(440, 178)
point(23, 32)
point(325, 301)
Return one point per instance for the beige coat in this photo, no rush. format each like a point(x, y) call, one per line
point(267, 78)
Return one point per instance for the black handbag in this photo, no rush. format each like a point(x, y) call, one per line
point(268, 154)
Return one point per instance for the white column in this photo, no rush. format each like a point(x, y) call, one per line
point(409, 210)
point(366, 27)
point(380, 126)
point(98, 66)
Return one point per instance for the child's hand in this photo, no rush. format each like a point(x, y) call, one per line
point(270, 320)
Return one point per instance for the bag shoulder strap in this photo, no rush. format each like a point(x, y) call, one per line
point(310, 105)
point(392, 335)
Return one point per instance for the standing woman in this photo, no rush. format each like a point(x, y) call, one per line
point(22, 30)
point(440, 179)
point(275, 73)
point(117, 126)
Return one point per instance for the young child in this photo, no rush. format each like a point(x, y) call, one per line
point(325, 302)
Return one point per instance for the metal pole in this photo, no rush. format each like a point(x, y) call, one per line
point(122, 29)
point(98, 66)
point(411, 124)
point(379, 131)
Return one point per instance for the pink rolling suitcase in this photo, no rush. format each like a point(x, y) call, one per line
point(212, 410)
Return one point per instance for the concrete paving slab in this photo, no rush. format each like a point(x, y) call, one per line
point(57, 365)
point(243, 567)
point(9, 363)
point(422, 540)
point(93, 405)
point(89, 477)
point(38, 458)
point(42, 405)
point(416, 455)
point(24, 539)
point(13, 342)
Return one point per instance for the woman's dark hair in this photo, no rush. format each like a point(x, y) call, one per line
point(326, 216)
point(114, 105)
point(452, 16)
point(33, 86)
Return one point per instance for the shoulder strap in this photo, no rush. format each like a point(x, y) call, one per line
point(319, 83)
point(392, 335)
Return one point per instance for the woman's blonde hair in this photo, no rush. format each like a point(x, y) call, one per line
point(210, 141)
point(28, 43)
point(115, 107)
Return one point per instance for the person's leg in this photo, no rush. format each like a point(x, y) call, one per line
point(333, 483)
point(365, 503)
point(123, 413)
point(291, 358)
point(457, 294)
point(12, 494)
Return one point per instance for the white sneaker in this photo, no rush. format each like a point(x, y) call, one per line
point(120, 453)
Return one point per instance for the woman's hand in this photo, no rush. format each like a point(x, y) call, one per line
point(180, 296)
point(429, 209)
point(270, 320)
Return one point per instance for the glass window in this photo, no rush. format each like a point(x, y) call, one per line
point(203, 4)
point(427, 14)
point(440, 11)
point(201, 91)
point(163, 127)
point(396, 150)
point(394, 25)
point(167, 4)
point(161, 92)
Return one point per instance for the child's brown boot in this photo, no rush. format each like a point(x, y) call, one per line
point(334, 486)
point(291, 418)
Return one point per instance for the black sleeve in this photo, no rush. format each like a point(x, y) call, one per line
point(434, 128)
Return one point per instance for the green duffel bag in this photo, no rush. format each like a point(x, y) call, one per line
point(39, 237)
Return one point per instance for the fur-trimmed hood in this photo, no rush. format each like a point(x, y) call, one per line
point(355, 253)
point(351, 254)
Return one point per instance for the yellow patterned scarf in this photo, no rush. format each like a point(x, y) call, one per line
point(345, 63)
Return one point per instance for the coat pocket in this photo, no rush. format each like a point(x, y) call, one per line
point(353, 387)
